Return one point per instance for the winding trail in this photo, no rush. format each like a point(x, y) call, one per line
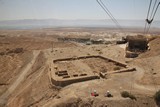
point(20, 78)
point(138, 75)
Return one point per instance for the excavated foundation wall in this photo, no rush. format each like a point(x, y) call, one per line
point(65, 82)
point(84, 57)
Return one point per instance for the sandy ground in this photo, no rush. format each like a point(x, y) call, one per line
point(19, 79)
point(25, 78)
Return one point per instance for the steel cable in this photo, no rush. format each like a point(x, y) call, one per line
point(153, 17)
point(147, 16)
point(110, 14)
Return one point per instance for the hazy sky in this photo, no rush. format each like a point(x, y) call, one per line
point(73, 9)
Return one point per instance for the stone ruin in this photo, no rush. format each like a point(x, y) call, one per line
point(62, 78)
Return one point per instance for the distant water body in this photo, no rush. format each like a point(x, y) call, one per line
point(52, 23)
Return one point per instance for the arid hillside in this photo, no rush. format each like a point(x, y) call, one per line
point(27, 64)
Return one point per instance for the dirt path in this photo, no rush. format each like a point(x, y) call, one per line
point(19, 79)
point(139, 73)
point(27, 85)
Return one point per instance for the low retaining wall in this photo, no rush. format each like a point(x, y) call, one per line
point(84, 57)
point(123, 70)
point(68, 81)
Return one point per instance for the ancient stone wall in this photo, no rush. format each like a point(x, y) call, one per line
point(68, 81)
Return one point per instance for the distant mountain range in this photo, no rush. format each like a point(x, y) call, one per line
point(50, 23)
